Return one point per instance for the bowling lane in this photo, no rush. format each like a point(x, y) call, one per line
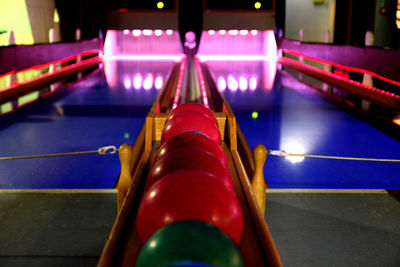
point(275, 109)
point(106, 108)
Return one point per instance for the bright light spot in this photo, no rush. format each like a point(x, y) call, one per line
point(254, 32)
point(137, 81)
point(148, 82)
point(221, 84)
point(257, 5)
point(242, 83)
point(222, 32)
point(254, 115)
point(127, 83)
point(244, 32)
point(232, 83)
point(126, 135)
point(233, 32)
point(211, 32)
point(157, 32)
point(152, 194)
point(397, 121)
point(253, 83)
point(160, 5)
point(126, 31)
point(295, 148)
point(137, 33)
point(147, 32)
point(158, 82)
point(153, 244)
point(169, 32)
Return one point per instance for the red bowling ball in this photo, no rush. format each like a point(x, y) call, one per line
point(192, 140)
point(192, 107)
point(189, 195)
point(189, 159)
point(191, 121)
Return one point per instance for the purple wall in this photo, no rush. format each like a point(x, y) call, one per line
point(20, 57)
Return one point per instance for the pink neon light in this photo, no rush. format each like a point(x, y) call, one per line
point(147, 32)
point(158, 32)
point(254, 32)
point(148, 82)
point(244, 32)
point(202, 83)
point(180, 83)
point(236, 57)
point(346, 79)
point(211, 32)
point(253, 83)
point(137, 81)
point(136, 33)
point(222, 32)
point(233, 32)
point(363, 71)
point(145, 57)
point(56, 62)
point(158, 82)
point(232, 83)
point(127, 83)
point(221, 84)
point(242, 83)
point(126, 31)
point(169, 32)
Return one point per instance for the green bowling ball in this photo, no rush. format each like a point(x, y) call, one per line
point(189, 241)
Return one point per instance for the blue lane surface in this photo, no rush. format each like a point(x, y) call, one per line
point(106, 108)
point(296, 118)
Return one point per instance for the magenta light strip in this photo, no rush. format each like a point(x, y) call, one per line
point(180, 83)
point(60, 61)
point(146, 57)
point(339, 77)
point(236, 58)
point(202, 82)
point(363, 71)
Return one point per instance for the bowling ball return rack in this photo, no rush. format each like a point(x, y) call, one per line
point(123, 246)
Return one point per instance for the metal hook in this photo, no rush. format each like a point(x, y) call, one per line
point(107, 150)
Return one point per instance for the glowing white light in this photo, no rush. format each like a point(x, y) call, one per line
point(211, 32)
point(158, 32)
point(153, 244)
point(127, 83)
point(233, 32)
point(254, 32)
point(253, 83)
point(244, 32)
point(126, 31)
point(136, 33)
point(222, 32)
point(147, 32)
point(148, 82)
point(158, 82)
point(169, 32)
point(221, 84)
point(232, 83)
point(242, 83)
point(296, 148)
point(137, 81)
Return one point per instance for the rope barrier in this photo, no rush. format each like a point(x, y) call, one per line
point(101, 151)
point(283, 153)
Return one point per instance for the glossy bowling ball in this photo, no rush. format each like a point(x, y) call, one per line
point(192, 107)
point(192, 139)
point(189, 159)
point(189, 195)
point(191, 121)
point(190, 241)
